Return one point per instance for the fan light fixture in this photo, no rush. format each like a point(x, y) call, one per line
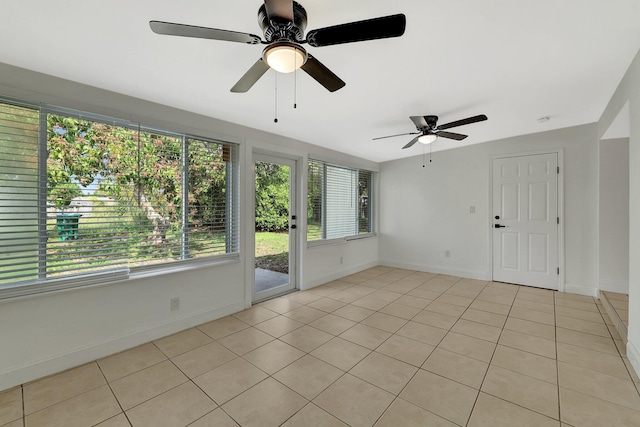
point(285, 57)
point(427, 139)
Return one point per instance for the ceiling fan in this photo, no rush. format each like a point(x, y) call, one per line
point(283, 23)
point(428, 129)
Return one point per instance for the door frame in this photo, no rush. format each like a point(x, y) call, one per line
point(294, 253)
point(561, 256)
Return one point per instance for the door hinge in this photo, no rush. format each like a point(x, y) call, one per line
point(558, 220)
point(558, 271)
point(558, 169)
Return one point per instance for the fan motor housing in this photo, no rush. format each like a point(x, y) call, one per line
point(282, 29)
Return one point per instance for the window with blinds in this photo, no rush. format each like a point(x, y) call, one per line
point(87, 199)
point(339, 202)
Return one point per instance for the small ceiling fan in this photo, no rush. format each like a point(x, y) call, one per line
point(428, 129)
point(283, 23)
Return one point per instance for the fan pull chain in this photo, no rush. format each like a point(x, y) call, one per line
point(275, 120)
point(430, 152)
point(295, 82)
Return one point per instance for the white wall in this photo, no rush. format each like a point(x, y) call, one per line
point(629, 92)
point(614, 215)
point(47, 333)
point(426, 211)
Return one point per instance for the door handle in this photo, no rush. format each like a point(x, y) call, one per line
point(293, 227)
point(499, 226)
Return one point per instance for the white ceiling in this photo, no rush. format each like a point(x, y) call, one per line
point(515, 61)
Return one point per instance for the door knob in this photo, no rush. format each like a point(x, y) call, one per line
point(497, 217)
point(499, 226)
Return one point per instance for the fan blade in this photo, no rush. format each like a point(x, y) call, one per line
point(370, 29)
point(279, 9)
point(182, 30)
point(410, 144)
point(451, 135)
point(250, 77)
point(322, 74)
point(463, 122)
point(419, 121)
point(393, 136)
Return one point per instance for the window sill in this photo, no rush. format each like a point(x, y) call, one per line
point(340, 241)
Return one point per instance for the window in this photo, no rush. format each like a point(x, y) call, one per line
point(340, 203)
point(87, 199)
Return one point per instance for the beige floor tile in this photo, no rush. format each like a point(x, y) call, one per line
point(202, 359)
point(10, 406)
point(602, 386)
point(423, 293)
point(370, 302)
point(246, 340)
point(445, 398)
point(305, 314)
point(575, 297)
point(119, 420)
point(341, 353)
point(491, 319)
point(446, 308)
point(490, 307)
point(438, 320)
point(405, 414)
point(583, 326)
point(255, 315)
point(456, 367)
point(468, 346)
point(354, 313)
point(385, 372)
point(586, 411)
point(533, 306)
point(365, 336)
point(507, 287)
point(327, 304)
point(146, 384)
point(436, 286)
point(306, 338)
point(312, 416)
point(331, 324)
point(478, 330)
point(16, 423)
point(424, 333)
point(309, 376)
point(280, 305)
point(490, 411)
point(539, 396)
point(385, 322)
point(632, 372)
point(217, 418)
point(354, 401)
point(86, 409)
point(454, 300)
point(386, 295)
point(593, 360)
point(539, 367)
point(182, 342)
point(537, 291)
point(229, 380)
point(57, 388)
point(127, 362)
point(266, 404)
point(581, 339)
point(175, 408)
point(542, 298)
point(400, 288)
point(401, 311)
point(463, 291)
point(533, 315)
point(303, 297)
point(323, 290)
point(223, 327)
point(531, 328)
point(279, 326)
point(413, 301)
point(273, 356)
point(406, 350)
point(529, 343)
point(579, 305)
point(345, 296)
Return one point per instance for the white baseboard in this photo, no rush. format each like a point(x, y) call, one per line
point(590, 291)
point(634, 357)
point(81, 355)
point(479, 275)
point(337, 275)
point(614, 286)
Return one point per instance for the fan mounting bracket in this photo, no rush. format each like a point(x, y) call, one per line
point(276, 29)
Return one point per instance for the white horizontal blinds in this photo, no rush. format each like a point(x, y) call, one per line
point(18, 194)
point(339, 202)
point(89, 169)
point(212, 206)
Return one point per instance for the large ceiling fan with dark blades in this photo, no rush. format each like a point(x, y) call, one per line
point(283, 23)
point(428, 130)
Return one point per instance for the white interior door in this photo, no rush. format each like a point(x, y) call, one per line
point(525, 221)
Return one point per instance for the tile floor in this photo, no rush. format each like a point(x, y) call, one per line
point(383, 347)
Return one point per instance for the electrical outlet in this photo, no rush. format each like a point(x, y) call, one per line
point(175, 304)
point(447, 254)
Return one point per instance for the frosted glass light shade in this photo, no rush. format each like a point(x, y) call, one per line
point(427, 139)
point(285, 57)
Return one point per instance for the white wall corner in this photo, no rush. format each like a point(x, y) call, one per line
point(614, 286)
point(467, 274)
point(634, 357)
point(337, 275)
point(590, 291)
point(72, 358)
